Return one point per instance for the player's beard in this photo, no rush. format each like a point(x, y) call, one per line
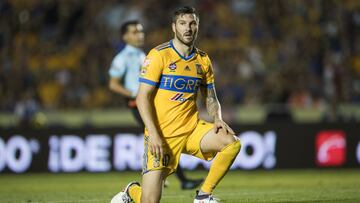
point(180, 37)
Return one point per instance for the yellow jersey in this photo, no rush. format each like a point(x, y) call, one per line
point(177, 80)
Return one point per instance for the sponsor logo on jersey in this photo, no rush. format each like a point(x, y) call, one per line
point(177, 83)
point(178, 97)
point(146, 62)
point(143, 71)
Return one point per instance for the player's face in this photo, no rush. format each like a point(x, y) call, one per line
point(135, 35)
point(186, 28)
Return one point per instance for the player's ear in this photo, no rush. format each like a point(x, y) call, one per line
point(125, 37)
point(173, 27)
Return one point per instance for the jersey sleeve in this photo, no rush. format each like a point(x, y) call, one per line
point(209, 75)
point(151, 69)
point(117, 67)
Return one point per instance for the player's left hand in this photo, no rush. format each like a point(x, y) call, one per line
point(219, 123)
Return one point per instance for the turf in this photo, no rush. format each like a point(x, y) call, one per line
point(237, 186)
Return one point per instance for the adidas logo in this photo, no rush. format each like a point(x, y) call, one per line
point(187, 68)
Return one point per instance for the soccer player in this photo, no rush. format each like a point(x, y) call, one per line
point(170, 77)
point(124, 78)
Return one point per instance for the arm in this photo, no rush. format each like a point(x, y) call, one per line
point(214, 109)
point(146, 109)
point(212, 103)
point(117, 71)
point(115, 86)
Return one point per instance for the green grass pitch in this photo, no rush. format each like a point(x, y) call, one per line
point(238, 186)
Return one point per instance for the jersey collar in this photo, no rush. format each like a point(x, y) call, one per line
point(181, 56)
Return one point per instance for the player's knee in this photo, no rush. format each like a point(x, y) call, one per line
point(227, 140)
point(232, 144)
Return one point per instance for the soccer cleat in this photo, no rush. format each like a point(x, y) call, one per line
point(191, 184)
point(205, 198)
point(123, 196)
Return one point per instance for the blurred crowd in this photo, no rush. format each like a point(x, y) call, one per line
point(302, 53)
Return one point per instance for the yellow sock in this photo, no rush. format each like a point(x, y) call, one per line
point(135, 193)
point(220, 166)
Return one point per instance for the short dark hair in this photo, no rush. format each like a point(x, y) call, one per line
point(183, 10)
point(124, 27)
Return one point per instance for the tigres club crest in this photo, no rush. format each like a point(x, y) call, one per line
point(199, 69)
point(172, 66)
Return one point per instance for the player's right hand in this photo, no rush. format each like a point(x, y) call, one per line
point(156, 146)
point(219, 123)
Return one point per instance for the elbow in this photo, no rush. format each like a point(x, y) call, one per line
point(111, 86)
point(142, 98)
